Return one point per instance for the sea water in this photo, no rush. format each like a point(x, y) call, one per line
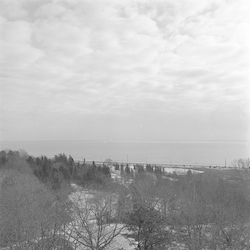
point(151, 152)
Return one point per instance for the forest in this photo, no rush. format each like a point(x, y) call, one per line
point(57, 203)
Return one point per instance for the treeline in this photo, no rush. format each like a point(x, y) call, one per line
point(130, 169)
point(60, 169)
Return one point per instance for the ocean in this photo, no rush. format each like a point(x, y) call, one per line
point(151, 152)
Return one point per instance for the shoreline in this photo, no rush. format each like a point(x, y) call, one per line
point(161, 165)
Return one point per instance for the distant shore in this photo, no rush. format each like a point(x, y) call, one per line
point(162, 165)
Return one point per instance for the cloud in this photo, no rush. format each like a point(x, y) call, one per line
point(83, 57)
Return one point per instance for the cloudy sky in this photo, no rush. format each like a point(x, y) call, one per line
point(124, 69)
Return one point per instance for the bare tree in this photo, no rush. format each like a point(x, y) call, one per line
point(212, 213)
point(146, 223)
point(166, 191)
point(29, 212)
point(241, 163)
point(230, 216)
point(191, 220)
point(95, 223)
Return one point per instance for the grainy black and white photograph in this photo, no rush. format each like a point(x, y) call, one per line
point(124, 125)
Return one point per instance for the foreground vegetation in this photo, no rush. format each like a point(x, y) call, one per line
point(39, 209)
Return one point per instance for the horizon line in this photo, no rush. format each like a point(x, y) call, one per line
point(110, 140)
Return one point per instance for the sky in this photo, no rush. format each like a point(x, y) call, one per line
point(124, 70)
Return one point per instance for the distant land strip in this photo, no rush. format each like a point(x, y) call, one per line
point(163, 165)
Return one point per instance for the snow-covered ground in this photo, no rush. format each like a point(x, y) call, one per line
point(180, 171)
